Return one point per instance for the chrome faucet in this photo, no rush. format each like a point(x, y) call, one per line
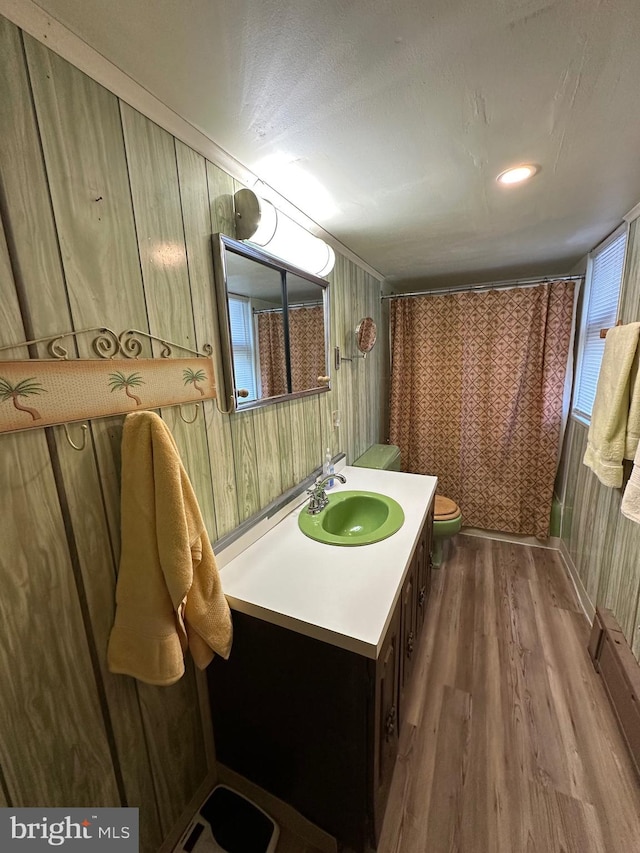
point(319, 499)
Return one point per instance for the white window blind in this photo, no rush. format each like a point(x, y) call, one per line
point(604, 280)
point(242, 345)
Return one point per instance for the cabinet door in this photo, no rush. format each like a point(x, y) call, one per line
point(424, 569)
point(386, 720)
point(422, 582)
point(408, 649)
point(428, 534)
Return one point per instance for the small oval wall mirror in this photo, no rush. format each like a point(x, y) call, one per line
point(366, 333)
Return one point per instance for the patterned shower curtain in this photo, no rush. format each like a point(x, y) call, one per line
point(477, 383)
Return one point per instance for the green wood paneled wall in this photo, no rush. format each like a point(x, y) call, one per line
point(603, 544)
point(106, 220)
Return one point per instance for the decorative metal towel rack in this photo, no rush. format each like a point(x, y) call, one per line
point(35, 392)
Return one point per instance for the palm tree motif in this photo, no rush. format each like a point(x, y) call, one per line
point(120, 382)
point(24, 388)
point(193, 377)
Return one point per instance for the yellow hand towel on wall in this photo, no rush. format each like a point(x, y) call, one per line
point(615, 419)
point(168, 596)
point(630, 506)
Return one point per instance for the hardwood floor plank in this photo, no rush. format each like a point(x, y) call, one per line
point(450, 768)
point(466, 635)
point(550, 575)
point(509, 744)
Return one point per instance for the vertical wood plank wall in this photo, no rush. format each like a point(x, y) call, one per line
point(602, 543)
point(106, 220)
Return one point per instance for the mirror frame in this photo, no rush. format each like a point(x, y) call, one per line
point(359, 332)
point(221, 244)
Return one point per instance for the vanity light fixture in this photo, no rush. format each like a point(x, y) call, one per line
point(259, 222)
point(517, 174)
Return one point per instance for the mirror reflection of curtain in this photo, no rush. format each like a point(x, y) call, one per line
point(306, 339)
point(477, 385)
point(306, 342)
point(273, 376)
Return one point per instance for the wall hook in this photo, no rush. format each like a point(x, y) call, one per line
point(197, 405)
point(84, 437)
point(228, 411)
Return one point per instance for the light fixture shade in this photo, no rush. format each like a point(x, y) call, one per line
point(258, 221)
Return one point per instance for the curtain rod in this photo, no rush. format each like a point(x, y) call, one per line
point(488, 285)
point(290, 305)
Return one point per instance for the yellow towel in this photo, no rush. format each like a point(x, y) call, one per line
point(630, 506)
point(615, 419)
point(632, 437)
point(168, 596)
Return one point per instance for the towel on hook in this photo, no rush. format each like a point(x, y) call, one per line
point(615, 420)
point(630, 506)
point(168, 595)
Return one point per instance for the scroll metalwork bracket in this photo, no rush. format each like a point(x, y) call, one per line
point(108, 344)
point(64, 383)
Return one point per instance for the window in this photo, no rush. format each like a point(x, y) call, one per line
point(242, 340)
point(604, 277)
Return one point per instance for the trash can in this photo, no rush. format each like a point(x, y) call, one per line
point(228, 822)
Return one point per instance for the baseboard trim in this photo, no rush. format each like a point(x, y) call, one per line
point(620, 674)
point(581, 593)
point(552, 543)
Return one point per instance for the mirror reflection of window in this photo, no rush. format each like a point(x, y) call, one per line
point(244, 366)
point(260, 287)
point(273, 326)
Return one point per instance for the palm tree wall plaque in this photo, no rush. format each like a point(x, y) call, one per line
point(193, 377)
point(120, 382)
point(24, 388)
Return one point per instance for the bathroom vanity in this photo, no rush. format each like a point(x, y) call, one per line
point(312, 699)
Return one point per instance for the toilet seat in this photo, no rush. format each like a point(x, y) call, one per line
point(445, 509)
point(447, 521)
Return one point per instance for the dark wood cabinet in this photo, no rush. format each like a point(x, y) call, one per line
point(424, 570)
point(317, 725)
point(386, 719)
point(409, 634)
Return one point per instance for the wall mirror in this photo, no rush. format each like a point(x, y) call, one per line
point(274, 325)
point(366, 333)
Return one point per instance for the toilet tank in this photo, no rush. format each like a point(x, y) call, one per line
point(383, 456)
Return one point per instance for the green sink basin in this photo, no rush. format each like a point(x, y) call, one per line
point(353, 518)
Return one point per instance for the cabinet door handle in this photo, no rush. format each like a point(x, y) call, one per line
point(422, 595)
point(390, 723)
point(410, 644)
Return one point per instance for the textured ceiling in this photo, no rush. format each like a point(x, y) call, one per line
point(387, 122)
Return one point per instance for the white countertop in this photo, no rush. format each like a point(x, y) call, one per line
point(341, 595)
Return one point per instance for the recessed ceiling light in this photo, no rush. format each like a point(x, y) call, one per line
point(518, 174)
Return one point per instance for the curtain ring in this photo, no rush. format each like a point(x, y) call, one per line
point(84, 437)
point(197, 405)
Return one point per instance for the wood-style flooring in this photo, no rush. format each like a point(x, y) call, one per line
point(510, 745)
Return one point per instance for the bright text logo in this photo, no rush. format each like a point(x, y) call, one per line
point(112, 830)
